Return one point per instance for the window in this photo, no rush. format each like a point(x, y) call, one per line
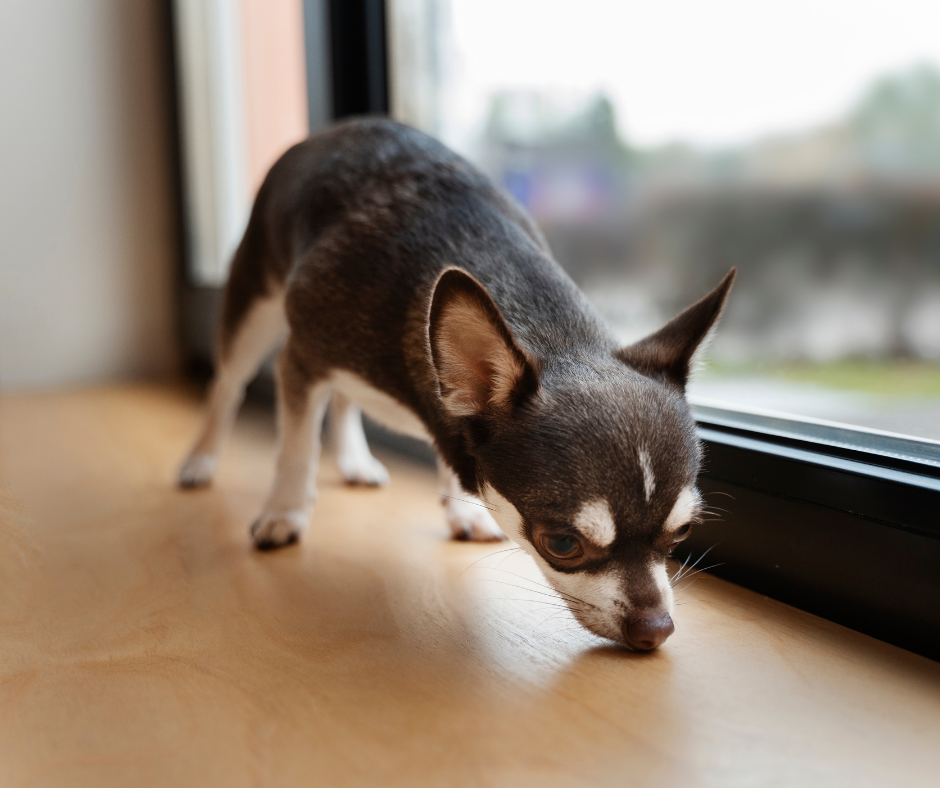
point(658, 144)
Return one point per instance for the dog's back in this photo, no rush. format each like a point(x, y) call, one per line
point(356, 224)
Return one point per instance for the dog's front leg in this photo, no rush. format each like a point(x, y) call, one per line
point(467, 516)
point(301, 405)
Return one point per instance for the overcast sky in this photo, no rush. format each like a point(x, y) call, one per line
point(710, 72)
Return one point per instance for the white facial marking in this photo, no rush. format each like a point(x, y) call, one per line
point(684, 508)
point(596, 522)
point(649, 483)
point(661, 576)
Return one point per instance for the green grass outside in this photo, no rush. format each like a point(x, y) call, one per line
point(881, 377)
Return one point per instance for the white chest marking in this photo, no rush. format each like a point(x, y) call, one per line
point(596, 522)
point(380, 406)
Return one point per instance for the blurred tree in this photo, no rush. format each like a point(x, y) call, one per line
point(896, 125)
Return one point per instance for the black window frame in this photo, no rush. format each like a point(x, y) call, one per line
point(849, 533)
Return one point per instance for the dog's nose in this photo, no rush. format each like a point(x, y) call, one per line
point(645, 630)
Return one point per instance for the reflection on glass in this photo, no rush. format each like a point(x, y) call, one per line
point(659, 144)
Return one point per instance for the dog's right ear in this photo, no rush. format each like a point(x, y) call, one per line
point(479, 366)
point(669, 354)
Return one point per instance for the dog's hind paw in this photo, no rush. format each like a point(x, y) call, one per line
point(197, 470)
point(270, 531)
point(469, 520)
point(363, 470)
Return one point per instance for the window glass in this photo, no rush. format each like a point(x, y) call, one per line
point(658, 144)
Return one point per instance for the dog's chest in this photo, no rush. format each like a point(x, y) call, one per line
point(379, 406)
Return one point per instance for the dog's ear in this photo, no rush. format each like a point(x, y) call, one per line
point(669, 354)
point(479, 366)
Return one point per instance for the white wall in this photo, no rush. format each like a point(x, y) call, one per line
point(87, 252)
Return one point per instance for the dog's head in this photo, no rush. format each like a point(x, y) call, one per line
point(589, 459)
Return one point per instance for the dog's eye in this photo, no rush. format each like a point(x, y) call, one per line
point(681, 533)
point(561, 546)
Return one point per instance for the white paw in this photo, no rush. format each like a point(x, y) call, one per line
point(273, 530)
point(470, 520)
point(363, 470)
point(197, 470)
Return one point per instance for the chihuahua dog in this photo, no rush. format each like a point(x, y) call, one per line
point(403, 281)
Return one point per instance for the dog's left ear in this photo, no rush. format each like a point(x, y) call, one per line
point(479, 366)
point(669, 354)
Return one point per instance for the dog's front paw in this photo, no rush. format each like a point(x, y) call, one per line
point(197, 470)
point(363, 470)
point(272, 530)
point(470, 520)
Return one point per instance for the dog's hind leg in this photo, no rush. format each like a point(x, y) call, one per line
point(241, 352)
point(467, 516)
point(301, 403)
point(353, 457)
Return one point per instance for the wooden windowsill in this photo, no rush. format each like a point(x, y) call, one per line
point(142, 641)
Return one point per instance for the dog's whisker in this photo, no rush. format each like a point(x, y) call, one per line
point(488, 555)
point(560, 621)
point(553, 614)
point(686, 587)
point(564, 594)
point(681, 569)
point(506, 558)
point(573, 628)
point(571, 624)
point(693, 574)
point(679, 575)
point(686, 569)
point(467, 500)
point(547, 604)
point(703, 569)
point(520, 599)
point(523, 588)
point(676, 579)
point(514, 585)
point(719, 492)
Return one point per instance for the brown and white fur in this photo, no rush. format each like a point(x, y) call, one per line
point(401, 280)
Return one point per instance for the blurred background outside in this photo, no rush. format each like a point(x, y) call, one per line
point(659, 144)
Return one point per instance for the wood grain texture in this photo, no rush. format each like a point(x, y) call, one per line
point(142, 641)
